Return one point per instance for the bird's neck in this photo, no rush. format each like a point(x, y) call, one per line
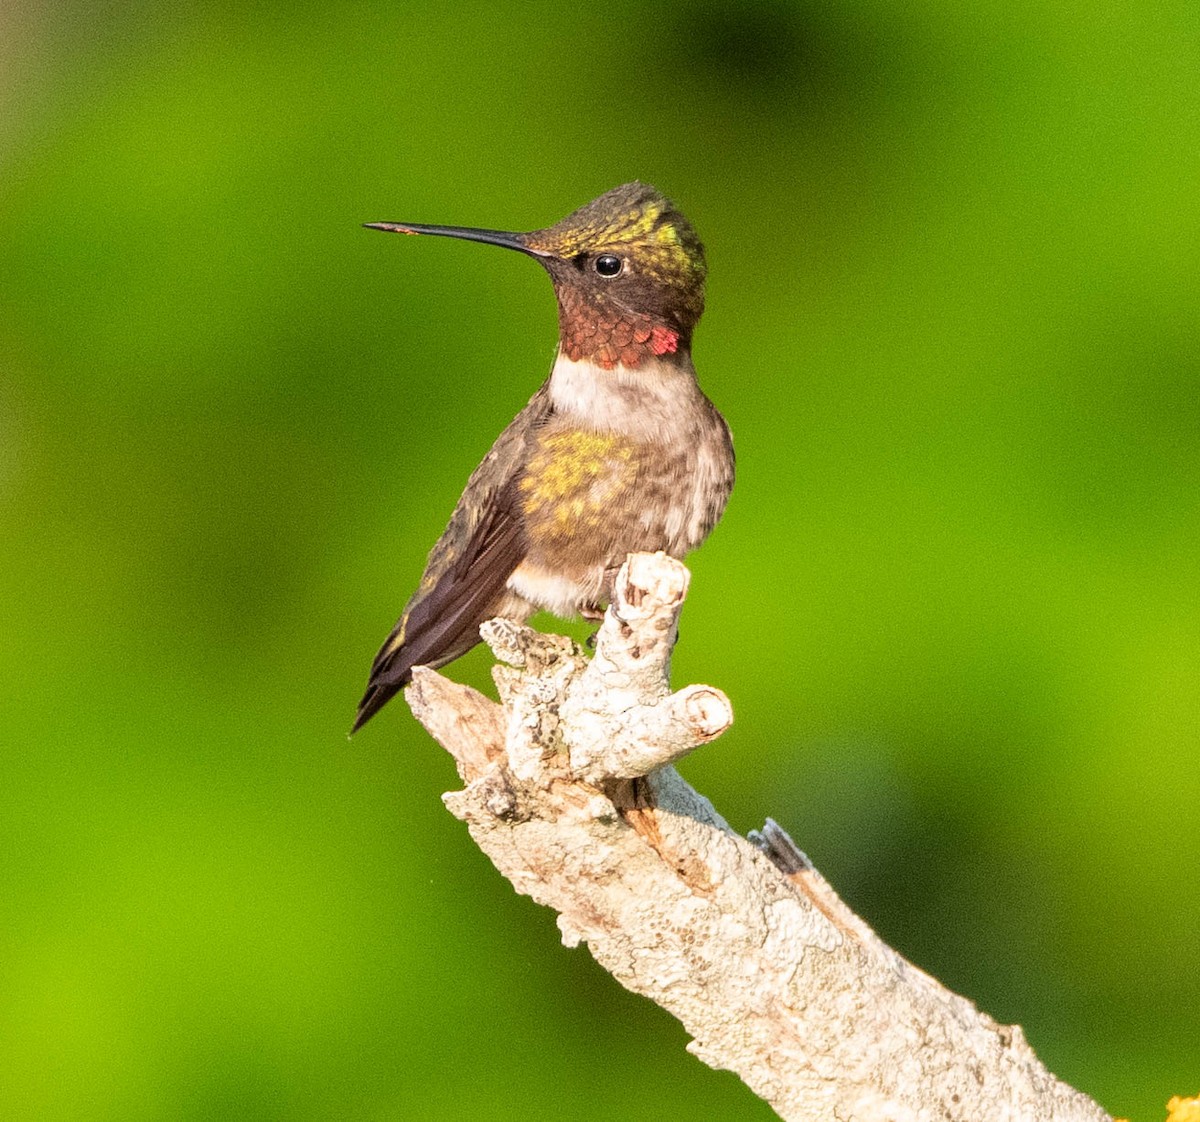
point(610, 336)
point(650, 401)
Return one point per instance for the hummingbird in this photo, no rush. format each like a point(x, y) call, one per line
point(618, 452)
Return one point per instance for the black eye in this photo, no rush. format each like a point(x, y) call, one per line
point(607, 265)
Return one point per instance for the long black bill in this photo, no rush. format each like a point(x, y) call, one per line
point(467, 233)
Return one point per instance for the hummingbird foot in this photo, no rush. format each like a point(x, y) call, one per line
point(592, 613)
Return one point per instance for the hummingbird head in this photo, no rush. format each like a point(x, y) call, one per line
point(628, 271)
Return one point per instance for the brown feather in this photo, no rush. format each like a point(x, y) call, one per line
point(465, 576)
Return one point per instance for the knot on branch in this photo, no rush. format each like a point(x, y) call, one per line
point(613, 717)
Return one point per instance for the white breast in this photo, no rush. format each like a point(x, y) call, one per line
point(656, 401)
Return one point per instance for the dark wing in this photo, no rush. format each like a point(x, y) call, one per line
point(467, 569)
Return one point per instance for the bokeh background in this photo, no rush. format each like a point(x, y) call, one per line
point(953, 324)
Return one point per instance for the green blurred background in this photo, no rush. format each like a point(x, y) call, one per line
point(953, 324)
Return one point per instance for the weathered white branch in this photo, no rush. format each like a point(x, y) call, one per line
point(570, 792)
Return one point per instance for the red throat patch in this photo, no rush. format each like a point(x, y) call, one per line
point(663, 341)
point(611, 339)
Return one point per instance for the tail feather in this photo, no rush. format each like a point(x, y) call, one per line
point(430, 639)
point(392, 670)
point(442, 620)
point(377, 696)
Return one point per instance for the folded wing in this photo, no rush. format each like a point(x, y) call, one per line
point(465, 576)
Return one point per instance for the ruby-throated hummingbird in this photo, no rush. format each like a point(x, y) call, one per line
point(618, 452)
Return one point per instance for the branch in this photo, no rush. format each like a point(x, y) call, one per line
point(570, 792)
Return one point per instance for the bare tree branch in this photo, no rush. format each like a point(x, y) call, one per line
point(570, 792)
